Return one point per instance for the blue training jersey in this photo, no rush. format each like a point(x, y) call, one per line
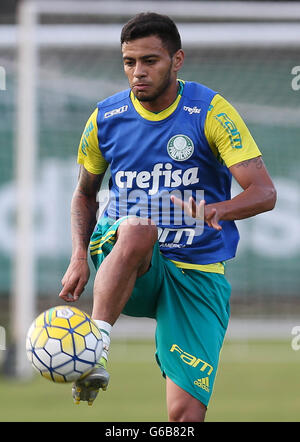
point(152, 159)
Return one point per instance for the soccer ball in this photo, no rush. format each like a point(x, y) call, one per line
point(63, 344)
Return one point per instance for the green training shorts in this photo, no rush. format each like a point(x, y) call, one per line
point(191, 309)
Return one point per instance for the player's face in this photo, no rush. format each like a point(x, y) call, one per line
point(151, 71)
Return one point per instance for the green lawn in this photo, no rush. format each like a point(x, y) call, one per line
point(257, 381)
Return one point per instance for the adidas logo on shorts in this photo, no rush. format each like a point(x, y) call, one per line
point(203, 383)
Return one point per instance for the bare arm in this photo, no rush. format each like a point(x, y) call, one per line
point(258, 195)
point(84, 208)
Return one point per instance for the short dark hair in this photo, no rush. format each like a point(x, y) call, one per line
point(146, 24)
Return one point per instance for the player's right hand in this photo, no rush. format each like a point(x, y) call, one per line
point(75, 280)
point(206, 212)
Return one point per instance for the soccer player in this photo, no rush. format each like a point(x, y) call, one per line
point(161, 244)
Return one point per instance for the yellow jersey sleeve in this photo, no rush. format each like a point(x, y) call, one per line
point(227, 134)
point(89, 154)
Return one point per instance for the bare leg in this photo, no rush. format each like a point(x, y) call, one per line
point(129, 259)
point(182, 407)
point(114, 282)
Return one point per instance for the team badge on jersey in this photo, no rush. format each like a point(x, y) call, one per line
point(180, 147)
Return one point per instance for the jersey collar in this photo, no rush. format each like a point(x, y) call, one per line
point(153, 116)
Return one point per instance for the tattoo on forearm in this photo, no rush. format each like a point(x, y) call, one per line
point(88, 184)
point(85, 206)
point(257, 161)
point(83, 219)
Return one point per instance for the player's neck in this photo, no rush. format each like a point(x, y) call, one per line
point(164, 100)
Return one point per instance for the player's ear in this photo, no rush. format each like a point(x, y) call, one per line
point(178, 59)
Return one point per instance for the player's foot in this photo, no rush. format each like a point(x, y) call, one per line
point(87, 388)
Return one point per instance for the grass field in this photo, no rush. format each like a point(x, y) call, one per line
point(257, 381)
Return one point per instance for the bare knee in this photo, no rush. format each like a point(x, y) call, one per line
point(136, 238)
point(138, 234)
point(180, 411)
point(183, 407)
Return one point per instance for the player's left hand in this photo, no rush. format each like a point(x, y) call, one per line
point(74, 280)
point(208, 213)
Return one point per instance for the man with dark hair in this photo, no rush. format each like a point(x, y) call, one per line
point(160, 246)
point(147, 24)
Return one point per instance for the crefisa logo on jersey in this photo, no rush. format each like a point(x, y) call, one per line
point(180, 147)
